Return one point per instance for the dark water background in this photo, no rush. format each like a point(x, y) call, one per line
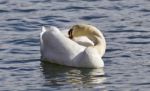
point(125, 24)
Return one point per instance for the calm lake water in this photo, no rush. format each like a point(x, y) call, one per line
point(125, 24)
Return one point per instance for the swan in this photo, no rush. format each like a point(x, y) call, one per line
point(64, 50)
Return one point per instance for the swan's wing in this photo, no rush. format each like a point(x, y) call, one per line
point(55, 46)
point(90, 58)
point(65, 32)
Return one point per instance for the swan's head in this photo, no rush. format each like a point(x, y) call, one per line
point(91, 33)
point(83, 30)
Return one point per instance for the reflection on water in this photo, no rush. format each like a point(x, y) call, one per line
point(57, 75)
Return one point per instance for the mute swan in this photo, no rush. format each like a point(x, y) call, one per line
point(59, 49)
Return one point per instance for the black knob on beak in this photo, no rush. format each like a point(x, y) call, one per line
point(70, 34)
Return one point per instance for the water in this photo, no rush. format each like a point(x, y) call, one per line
point(125, 24)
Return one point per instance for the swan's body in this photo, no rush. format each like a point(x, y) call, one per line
point(57, 48)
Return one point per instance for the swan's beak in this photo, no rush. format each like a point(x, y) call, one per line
point(70, 34)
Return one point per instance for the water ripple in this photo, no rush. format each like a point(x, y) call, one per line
point(3, 11)
point(90, 17)
point(127, 30)
point(145, 10)
point(134, 42)
point(125, 25)
point(28, 41)
point(24, 10)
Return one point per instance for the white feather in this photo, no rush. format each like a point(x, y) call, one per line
point(57, 48)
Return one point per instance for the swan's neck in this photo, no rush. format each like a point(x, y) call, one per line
point(99, 44)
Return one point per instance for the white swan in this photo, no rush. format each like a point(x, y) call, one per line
point(57, 48)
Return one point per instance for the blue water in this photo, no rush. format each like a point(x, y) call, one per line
point(125, 24)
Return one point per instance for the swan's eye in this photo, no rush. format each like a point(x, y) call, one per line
point(70, 33)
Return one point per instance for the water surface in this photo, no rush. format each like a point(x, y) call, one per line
point(125, 24)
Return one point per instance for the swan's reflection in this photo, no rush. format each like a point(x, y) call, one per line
point(57, 75)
